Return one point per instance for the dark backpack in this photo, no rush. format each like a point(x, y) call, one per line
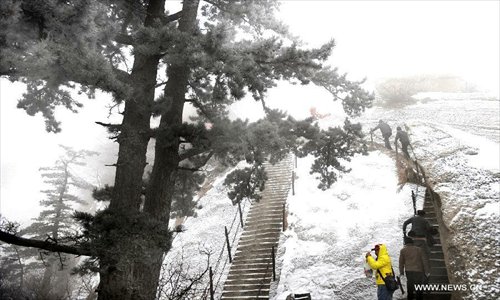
point(390, 281)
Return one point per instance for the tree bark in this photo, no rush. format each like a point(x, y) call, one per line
point(120, 278)
point(162, 181)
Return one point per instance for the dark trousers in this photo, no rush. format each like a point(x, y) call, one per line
point(383, 293)
point(422, 243)
point(413, 278)
point(404, 148)
point(386, 140)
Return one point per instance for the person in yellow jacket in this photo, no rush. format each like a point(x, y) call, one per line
point(382, 263)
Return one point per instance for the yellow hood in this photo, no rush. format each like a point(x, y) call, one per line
point(382, 263)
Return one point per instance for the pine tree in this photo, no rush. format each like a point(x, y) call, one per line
point(55, 221)
point(215, 52)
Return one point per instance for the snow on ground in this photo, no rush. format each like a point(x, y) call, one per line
point(330, 231)
point(202, 244)
point(465, 172)
point(457, 142)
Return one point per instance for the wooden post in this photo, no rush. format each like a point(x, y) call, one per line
point(228, 246)
point(293, 183)
point(211, 284)
point(414, 199)
point(241, 214)
point(274, 264)
point(295, 157)
point(284, 218)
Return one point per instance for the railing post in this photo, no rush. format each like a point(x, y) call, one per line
point(419, 175)
point(284, 218)
point(414, 200)
point(211, 284)
point(293, 183)
point(241, 214)
point(228, 246)
point(274, 264)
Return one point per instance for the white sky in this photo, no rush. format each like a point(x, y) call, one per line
point(375, 39)
point(392, 38)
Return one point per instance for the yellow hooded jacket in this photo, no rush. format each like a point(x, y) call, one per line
point(383, 263)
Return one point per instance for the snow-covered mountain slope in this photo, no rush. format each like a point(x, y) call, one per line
point(203, 245)
point(324, 252)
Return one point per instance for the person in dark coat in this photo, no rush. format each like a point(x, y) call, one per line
point(405, 141)
point(415, 266)
point(386, 131)
point(420, 232)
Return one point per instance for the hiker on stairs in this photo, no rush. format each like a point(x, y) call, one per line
point(386, 131)
point(383, 266)
point(413, 263)
point(402, 136)
point(420, 232)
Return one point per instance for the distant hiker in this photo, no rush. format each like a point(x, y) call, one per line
point(405, 141)
point(383, 266)
point(386, 131)
point(413, 263)
point(421, 232)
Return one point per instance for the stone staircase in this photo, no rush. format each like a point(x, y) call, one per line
point(439, 272)
point(251, 271)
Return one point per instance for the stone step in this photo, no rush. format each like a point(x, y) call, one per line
point(247, 255)
point(251, 265)
point(260, 276)
point(262, 226)
point(272, 204)
point(249, 280)
point(245, 297)
point(258, 235)
point(260, 207)
point(253, 293)
point(263, 219)
point(436, 279)
point(238, 287)
point(437, 255)
point(259, 252)
point(255, 269)
point(438, 271)
point(253, 252)
point(266, 212)
point(256, 231)
point(250, 260)
point(251, 272)
point(256, 247)
point(249, 240)
point(437, 262)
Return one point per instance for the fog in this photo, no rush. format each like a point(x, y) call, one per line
point(375, 39)
point(379, 39)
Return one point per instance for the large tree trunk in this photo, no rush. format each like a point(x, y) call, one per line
point(160, 191)
point(136, 277)
point(119, 276)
